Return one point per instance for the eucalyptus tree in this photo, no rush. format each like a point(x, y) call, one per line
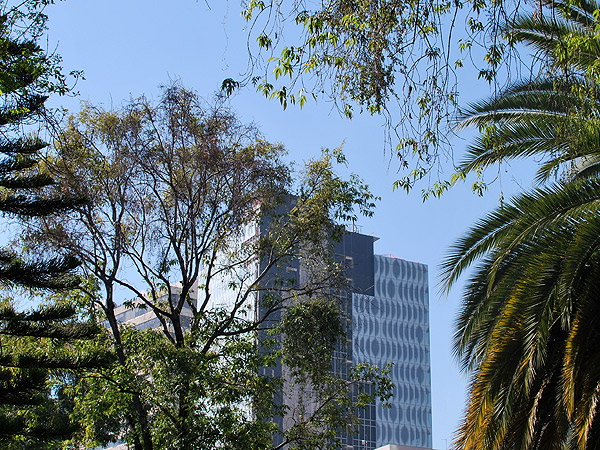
point(397, 59)
point(177, 190)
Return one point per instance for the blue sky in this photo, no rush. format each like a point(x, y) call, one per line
point(130, 47)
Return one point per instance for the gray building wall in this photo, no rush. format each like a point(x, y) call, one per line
point(387, 313)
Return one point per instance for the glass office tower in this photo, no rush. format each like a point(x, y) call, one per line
point(388, 308)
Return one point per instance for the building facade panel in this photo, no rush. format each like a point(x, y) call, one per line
point(392, 327)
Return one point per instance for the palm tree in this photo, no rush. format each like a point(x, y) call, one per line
point(527, 330)
point(553, 116)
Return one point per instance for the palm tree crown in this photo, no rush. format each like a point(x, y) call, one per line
point(556, 116)
point(527, 330)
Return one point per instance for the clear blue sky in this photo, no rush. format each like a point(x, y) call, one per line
point(130, 47)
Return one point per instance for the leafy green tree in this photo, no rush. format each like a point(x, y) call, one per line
point(177, 191)
point(396, 58)
point(526, 331)
point(39, 344)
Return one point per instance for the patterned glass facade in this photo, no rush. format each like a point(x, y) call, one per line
point(392, 327)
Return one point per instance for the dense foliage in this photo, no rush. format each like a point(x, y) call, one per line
point(41, 344)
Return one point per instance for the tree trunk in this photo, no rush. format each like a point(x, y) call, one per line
point(138, 406)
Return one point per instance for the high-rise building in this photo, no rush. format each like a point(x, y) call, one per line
point(387, 307)
point(393, 327)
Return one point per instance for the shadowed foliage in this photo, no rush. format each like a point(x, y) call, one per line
point(38, 345)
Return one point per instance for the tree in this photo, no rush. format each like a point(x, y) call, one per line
point(38, 344)
point(394, 58)
point(525, 309)
point(175, 191)
point(526, 331)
